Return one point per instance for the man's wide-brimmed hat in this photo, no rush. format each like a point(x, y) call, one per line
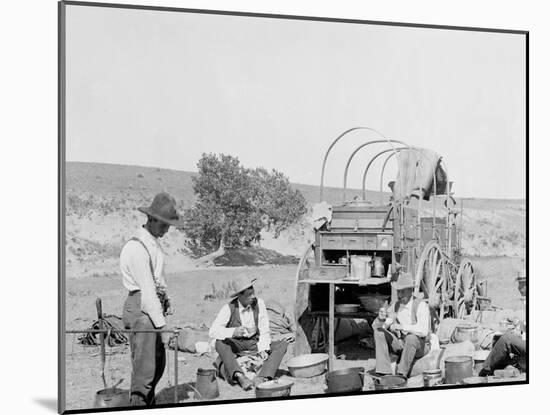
point(241, 284)
point(163, 208)
point(404, 280)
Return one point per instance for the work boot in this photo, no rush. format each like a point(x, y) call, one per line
point(243, 381)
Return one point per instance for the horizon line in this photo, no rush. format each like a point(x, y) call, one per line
point(295, 183)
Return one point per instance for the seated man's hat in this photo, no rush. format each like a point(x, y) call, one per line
point(241, 284)
point(405, 280)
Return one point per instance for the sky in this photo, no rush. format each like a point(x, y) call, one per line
point(158, 89)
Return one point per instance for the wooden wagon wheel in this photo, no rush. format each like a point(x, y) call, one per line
point(465, 293)
point(304, 323)
point(434, 277)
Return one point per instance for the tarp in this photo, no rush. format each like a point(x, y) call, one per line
point(281, 326)
point(415, 175)
point(321, 213)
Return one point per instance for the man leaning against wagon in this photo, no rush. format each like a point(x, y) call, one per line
point(403, 328)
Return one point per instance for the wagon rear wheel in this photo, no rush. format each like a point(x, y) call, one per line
point(466, 290)
point(434, 278)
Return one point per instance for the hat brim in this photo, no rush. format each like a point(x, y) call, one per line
point(398, 286)
point(177, 223)
point(242, 288)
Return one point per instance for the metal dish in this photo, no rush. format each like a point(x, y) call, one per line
point(308, 365)
point(346, 308)
point(373, 302)
point(274, 388)
point(390, 382)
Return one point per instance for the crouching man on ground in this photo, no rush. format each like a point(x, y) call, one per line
point(403, 328)
point(242, 326)
point(511, 348)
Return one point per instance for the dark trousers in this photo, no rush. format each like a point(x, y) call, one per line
point(410, 348)
point(229, 348)
point(148, 354)
point(499, 358)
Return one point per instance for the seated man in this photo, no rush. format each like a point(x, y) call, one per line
point(404, 327)
point(242, 325)
point(511, 347)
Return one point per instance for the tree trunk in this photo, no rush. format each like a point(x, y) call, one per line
point(208, 260)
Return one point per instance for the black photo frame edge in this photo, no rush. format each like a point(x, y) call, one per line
point(61, 190)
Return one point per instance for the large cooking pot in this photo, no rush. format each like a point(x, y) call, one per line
point(346, 380)
point(457, 368)
point(390, 382)
point(112, 398)
point(274, 388)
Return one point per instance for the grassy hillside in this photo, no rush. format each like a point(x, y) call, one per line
point(101, 215)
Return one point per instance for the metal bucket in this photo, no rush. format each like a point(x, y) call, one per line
point(207, 384)
point(458, 368)
point(466, 332)
point(112, 398)
point(390, 382)
point(360, 266)
point(345, 380)
point(432, 377)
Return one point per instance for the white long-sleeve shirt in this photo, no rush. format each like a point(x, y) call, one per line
point(219, 331)
point(404, 318)
point(136, 273)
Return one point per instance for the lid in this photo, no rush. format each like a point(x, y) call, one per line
point(432, 372)
point(458, 359)
point(275, 384)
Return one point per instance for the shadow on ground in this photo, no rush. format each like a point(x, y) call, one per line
point(48, 403)
point(185, 391)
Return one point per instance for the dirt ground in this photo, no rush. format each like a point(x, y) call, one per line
point(188, 290)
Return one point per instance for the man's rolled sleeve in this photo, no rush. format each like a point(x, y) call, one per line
point(422, 326)
point(218, 330)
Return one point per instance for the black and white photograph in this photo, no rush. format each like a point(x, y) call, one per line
point(262, 207)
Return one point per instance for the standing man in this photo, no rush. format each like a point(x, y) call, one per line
point(404, 327)
point(141, 263)
point(243, 326)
